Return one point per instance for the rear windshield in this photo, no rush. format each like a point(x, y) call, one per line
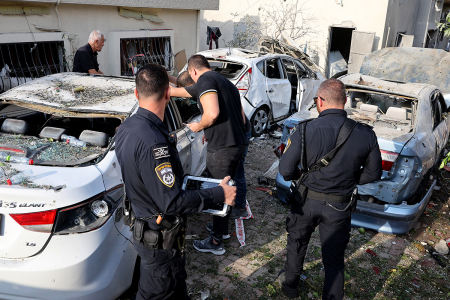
point(229, 70)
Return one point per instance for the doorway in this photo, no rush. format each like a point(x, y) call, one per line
point(340, 42)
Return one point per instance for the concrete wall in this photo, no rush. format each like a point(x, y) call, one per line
point(366, 15)
point(79, 20)
point(401, 18)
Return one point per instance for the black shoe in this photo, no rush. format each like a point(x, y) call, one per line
point(207, 245)
point(290, 293)
point(238, 213)
point(209, 227)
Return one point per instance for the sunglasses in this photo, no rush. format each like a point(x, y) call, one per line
point(316, 98)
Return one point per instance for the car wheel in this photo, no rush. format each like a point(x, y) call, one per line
point(292, 107)
point(259, 121)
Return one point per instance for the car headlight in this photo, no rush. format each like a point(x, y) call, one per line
point(88, 215)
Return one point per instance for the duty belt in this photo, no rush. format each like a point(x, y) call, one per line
point(325, 197)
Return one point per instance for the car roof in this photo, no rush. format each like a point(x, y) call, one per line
point(58, 93)
point(360, 81)
point(420, 65)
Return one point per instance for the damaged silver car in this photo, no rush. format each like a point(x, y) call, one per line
point(412, 125)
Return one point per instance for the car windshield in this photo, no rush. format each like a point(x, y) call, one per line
point(227, 69)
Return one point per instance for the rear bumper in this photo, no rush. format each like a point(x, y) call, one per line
point(388, 218)
point(93, 265)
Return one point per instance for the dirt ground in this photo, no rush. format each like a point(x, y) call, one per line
point(378, 266)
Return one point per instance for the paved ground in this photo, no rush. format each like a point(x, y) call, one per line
point(395, 267)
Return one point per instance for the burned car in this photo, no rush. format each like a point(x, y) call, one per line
point(412, 127)
point(62, 234)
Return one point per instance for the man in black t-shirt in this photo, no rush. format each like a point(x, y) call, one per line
point(85, 60)
point(223, 124)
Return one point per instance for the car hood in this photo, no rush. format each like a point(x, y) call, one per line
point(430, 66)
point(70, 94)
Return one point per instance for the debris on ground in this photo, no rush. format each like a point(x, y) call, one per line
point(441, 247)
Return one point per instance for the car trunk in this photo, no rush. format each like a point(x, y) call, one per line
point(62, 174)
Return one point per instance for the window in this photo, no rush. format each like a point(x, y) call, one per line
point(273, 69)
point(229, 70)
point(436, 109)
point(301, 69)
point(137, 52)
point(260, 67)
point(187, 107)
point(22, 62)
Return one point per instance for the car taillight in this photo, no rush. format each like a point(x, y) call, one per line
point(38, 221)
point(244, 83)
point(88, 215)
point(280, 150)
point(388, 159)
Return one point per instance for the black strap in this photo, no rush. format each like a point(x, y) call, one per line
point(344, 132)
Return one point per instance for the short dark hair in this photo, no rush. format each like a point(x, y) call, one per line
point(184, 79)
point(198, 62)
point(152, 81)
point(333, 91)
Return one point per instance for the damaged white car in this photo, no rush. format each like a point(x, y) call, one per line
point(412, 125)
point(61, 229)
point(272, 86)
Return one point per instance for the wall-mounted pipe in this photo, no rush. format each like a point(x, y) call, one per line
point(48, 28)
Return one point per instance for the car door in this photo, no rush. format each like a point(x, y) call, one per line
point(440, 124)
point(174, 124)
point(306, 87)
point(194, 150)
point(278, 87)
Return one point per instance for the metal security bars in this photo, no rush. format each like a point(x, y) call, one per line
point(137, 52)
point(22, 62)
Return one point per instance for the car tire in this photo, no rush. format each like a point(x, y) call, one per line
point(259, 121)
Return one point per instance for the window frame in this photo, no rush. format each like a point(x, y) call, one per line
point(280, 67)
point(114, 44)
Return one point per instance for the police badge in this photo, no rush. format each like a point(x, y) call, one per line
point(165, 174)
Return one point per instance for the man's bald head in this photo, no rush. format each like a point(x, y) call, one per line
point(332, 91)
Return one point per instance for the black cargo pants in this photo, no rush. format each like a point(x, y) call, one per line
point(163, 274)
point(334, 230)
point(221, 163)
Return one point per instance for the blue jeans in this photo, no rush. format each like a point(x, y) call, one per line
point(239, 179)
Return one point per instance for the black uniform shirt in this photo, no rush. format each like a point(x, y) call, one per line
point(85, 59)
point(152, 170)
point(228, 130)
point(192, 90)
point(357, 162)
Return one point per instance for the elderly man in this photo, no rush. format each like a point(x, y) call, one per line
point(85, 60)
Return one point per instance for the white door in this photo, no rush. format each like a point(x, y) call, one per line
point(278, 88)
point(362, 43)
point(306, 90)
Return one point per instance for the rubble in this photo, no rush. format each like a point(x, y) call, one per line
point(442, 247)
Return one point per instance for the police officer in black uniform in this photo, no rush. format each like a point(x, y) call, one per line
point(153, 173)
point(327, 191)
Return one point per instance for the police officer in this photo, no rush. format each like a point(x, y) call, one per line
point(153, 173)
point(326, 191)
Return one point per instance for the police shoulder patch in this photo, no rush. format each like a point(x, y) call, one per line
point(161, 152)
point(165, 174)
point(287, 145)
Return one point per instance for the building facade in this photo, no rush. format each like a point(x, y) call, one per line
point(38, 38)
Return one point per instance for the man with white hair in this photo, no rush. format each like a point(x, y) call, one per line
point(85, 60)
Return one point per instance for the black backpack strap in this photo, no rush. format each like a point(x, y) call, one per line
point(344, 133)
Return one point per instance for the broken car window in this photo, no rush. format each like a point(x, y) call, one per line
point(229, 70)
point(273, 70)
point(303, 73)
point(260, 67)
point(188, 108)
